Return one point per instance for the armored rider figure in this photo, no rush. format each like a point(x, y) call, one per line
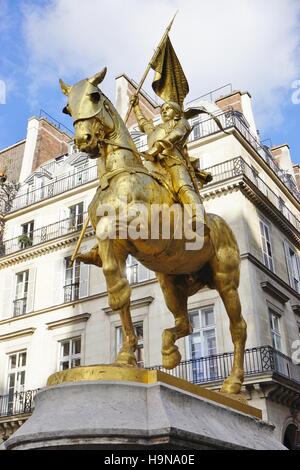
point(167, 144)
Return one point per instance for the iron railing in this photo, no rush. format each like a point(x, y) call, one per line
point(20, 306)
point(232, 118)
point(57, 186)
point(220, 172)
point(17, 403)
point(238, 167)
point(71, 292)
point(260, 360)
point(42, 235)
point(217, 367)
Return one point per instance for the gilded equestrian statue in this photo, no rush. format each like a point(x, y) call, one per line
point(181, 272)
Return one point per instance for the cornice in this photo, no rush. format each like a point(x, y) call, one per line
point(17, 334)
point(274, 292)
point(252, 193)
point(270, 274)
point(83, 317)
point(138, 303)
point(42, 249)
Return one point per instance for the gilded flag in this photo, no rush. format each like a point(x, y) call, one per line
point(169, 82)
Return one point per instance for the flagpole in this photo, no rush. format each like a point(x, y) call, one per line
point(150, 64)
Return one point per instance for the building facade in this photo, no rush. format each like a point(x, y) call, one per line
point(54, 316)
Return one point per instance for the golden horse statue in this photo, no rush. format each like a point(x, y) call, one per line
point(102, 134)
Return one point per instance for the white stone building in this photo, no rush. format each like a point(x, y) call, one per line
point(54, 317)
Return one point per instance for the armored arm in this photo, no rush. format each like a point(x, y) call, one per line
point(178, 134)
point(145, 125)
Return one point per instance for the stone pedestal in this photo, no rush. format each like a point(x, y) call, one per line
point(109, 408)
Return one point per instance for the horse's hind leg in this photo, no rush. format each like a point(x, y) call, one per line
point(226, 280)
point(174, 289)
point(114, 269)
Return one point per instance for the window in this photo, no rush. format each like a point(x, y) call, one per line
point(136, 272)
point(81, 172)
point(16, 381)
point(266, 245)
point(70, 353)
point(293, 266)
point(275, 331)
point(21, 295)
point(26, 238)
point(76, 216)
point(132, 270)
point(139, 353)
point(202, 344)
point(72, 280)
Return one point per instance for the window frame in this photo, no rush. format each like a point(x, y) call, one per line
point(268, 259)
point(71, 356)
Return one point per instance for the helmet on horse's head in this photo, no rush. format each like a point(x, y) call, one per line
point(77, 107)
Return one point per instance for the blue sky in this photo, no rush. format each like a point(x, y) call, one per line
point(252, 44)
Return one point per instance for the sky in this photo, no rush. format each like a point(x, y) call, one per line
point(252, 44)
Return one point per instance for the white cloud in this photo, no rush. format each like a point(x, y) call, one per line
point(249, 43)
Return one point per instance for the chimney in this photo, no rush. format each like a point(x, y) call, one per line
point(282, 155)
point(242, 102)
point(125, 88)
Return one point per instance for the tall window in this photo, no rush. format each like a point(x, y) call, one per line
point(21, 294)
point(266, 245)
point(16, 380)
point(202, 344)
point(139, 353)
point(293, 267)
point(76, 216)
point(132, 270)
point(275, 331)
point(70, 353)
point(72, 280)
point(136, 272)
point(26, 238)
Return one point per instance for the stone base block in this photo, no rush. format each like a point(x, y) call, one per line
point(114, 414)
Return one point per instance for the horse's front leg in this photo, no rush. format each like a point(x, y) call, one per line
point(114, 269)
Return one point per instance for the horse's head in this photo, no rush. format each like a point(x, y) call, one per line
point(88, 108)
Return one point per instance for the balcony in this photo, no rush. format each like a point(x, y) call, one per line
point(41, 235)
point(71, 292)
point(17, 404)
point(258, 361)
point(238, 167)
point(56, 187)
point(20, 306)
point(234, 119)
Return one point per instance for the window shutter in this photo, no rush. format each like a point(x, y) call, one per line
point(58, 281)
point(288, 262)
point(31, 290)
point(6, 303)
point(84, 280)
point(143, 273)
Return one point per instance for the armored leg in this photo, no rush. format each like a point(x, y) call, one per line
point(193, 206)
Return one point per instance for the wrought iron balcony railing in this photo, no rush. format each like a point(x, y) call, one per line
point(264, 359)
point(20, 306)
point(42, 235)
point(258, 361)
point(232, 118)
point(220, 172)
point(238, 167)
point(57, 186)
point(17, 403)
point(71, 292)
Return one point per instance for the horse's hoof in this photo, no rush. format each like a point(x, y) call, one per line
point(171, 360)
point(126, 358)
point(232, 386)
